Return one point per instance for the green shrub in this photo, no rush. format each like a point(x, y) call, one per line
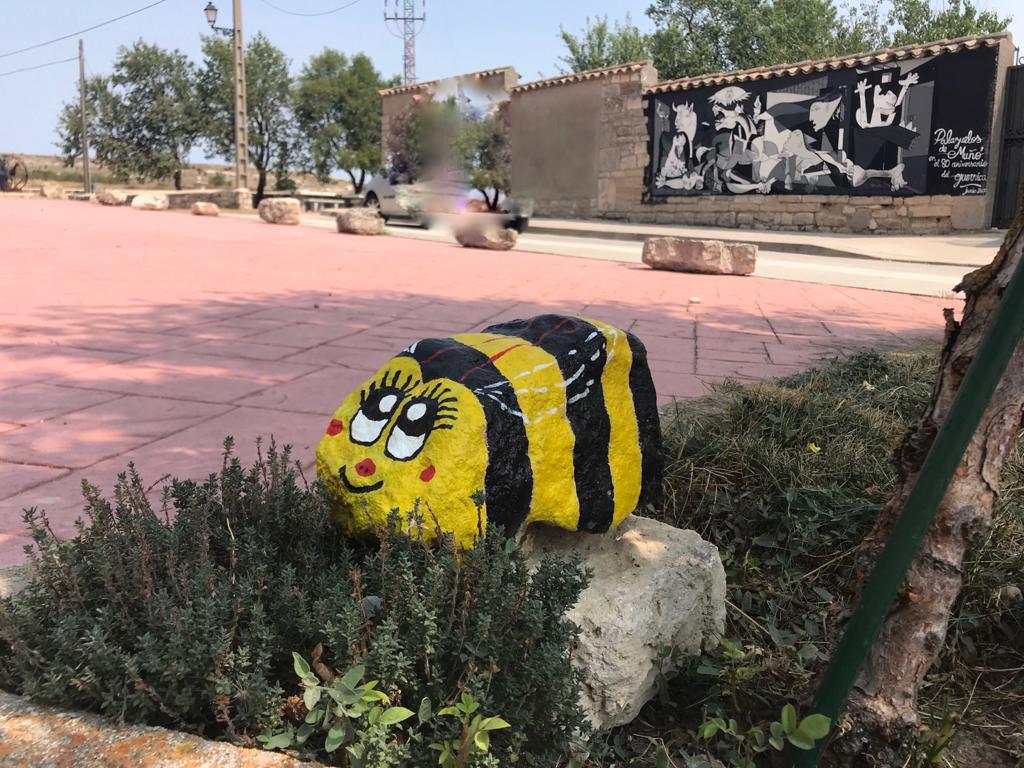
point(188, 616)
point(786, 478)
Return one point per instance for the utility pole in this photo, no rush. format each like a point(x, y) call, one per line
point(241, 113)
point(406, 26)
point(86, 175)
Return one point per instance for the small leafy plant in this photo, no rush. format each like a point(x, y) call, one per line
point(347, 713)
point(474, 739)
point(742, 746)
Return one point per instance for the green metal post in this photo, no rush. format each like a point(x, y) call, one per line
point(976, 389)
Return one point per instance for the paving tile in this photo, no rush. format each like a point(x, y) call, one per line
point(356, 358)
point(90, 435)
point(161, 382)
point(303, 335)
point(188, 363)
point(320, 392)
point(15, 478)
point(193, 453)
point(25, 365)
point(104, 340)
point(708, 352)
point(659, 348)
point(34, 402)
point(728, 369)
point(239, 328)
point(243, 349)
point(673, 329)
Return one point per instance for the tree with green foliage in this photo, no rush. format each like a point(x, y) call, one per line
point(268, 96)
point(600, 45)
point(146, 116)
point(917, 21)
point(694, 37)
point(337, 106)
point(69, 122)
point(489, 154)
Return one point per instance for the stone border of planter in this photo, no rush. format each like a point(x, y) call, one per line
point(33, 736)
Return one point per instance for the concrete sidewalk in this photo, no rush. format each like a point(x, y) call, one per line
point(972, 249)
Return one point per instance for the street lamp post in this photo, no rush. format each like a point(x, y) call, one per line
point(241, 118)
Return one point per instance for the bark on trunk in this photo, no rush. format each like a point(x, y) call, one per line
point(261, 185)
point(883, 706)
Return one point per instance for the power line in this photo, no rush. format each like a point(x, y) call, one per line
point(320, 13)
point(83, 31)
point(38, 66)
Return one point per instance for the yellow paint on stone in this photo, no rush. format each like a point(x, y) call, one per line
point(412, 441)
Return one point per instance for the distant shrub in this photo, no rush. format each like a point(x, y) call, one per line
point(218, 180)
point(189, 616)
point(285, 184)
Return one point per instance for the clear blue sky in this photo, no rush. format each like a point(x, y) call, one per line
point(459, 36)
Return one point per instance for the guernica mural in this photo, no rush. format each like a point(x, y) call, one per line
point(912, 127)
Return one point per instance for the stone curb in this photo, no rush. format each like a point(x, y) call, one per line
point(735, 235)
point(33, 736)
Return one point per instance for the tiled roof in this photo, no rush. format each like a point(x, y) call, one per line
point(425, 85)
point(837, 62)
point(577, 77)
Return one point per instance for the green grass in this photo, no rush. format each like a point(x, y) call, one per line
point(786, 478)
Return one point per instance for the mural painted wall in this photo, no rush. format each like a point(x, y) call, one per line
point(912, 127)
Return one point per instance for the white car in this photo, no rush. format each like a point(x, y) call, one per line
point(425, 202)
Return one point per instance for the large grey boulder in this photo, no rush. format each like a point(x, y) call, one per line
point(150, 201)
point(112, 197)
point(654, 587)
point(280, 210)
point(714, 257)
point(484, 231)
point(360, 221)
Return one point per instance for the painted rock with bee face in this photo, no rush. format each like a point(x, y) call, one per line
point(551, 419)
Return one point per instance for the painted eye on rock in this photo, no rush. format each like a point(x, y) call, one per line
point(411, 429)
point(375, 410)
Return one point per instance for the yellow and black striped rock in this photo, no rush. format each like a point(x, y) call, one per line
point(552, 419)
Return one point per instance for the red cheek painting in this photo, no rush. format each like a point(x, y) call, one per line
point(335, 427)
point(428, 474)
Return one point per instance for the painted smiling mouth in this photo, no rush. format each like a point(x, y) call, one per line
point(359, 488)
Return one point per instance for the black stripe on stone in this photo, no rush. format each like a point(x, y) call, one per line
point(645, 405)
point(575, 343)
point(508, 482)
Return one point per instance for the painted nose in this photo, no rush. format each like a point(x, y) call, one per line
point(366, 467)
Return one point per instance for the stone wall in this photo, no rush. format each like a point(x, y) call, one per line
point(622, 140)
point(578, 140)
point(559, 176)
point(881, 214)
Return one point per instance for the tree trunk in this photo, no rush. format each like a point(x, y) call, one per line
point(357, 184)
point(883, 705)
point(261, 185)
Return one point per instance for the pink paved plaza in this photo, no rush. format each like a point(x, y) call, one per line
point(149, 337)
